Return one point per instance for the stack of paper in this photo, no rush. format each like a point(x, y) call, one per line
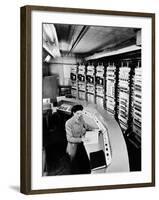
point(91, 137)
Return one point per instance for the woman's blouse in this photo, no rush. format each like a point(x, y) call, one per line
point(75, 130)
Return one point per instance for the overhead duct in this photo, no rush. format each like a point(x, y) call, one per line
point(50, 40)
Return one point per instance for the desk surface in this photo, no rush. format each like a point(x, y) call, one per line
point(120, 161)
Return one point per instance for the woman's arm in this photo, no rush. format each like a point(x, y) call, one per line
point(88, 127)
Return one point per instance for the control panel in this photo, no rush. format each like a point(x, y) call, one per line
point(81, 82)
point(65, 108)
point(110, 89)
point(100, 79)
point(137, 101)
point(124, 96)
point(73, 77)
point(104, 132)
point(90, 79)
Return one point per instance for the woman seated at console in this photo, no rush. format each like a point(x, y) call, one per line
point(75, 132)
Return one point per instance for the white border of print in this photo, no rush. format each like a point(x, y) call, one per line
point(39, 182)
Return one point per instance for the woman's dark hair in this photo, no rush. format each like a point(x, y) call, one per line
point(76, 108)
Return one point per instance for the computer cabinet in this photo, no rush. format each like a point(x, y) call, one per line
point(100, 85)
point(114, 84)
point(90, 83)
point(74, 82)
point(81, 77)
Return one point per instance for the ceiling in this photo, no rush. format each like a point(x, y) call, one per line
point(81, 39)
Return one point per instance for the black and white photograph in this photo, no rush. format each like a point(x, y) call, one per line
point(91, 99)
point(87, 100)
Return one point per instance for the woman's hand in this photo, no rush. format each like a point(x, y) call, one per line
point(85, 139)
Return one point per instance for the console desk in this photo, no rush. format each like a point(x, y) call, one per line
point(119, 154)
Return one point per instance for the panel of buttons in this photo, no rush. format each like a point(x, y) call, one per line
point(104, 132)
point(65, 108)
